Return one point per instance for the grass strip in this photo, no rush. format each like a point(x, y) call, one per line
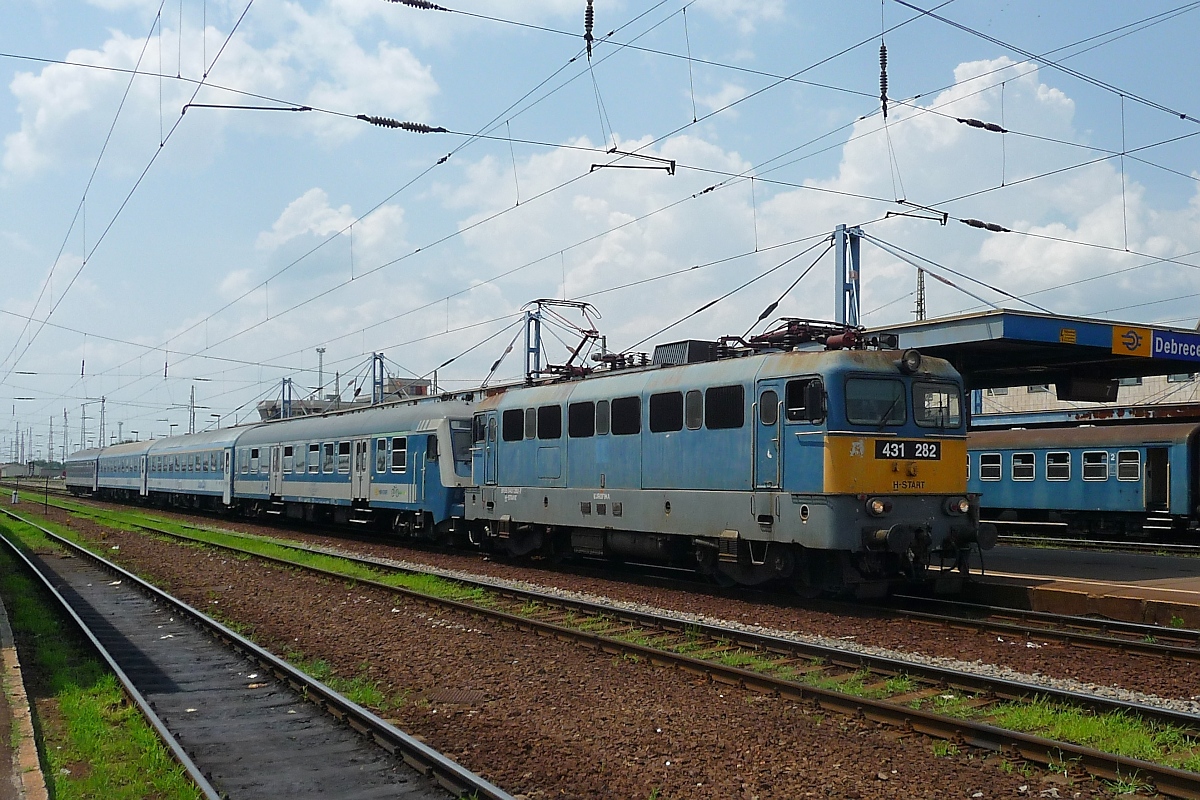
point(94, 743)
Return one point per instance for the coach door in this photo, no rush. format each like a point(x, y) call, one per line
point(227, 479)
point(145, 484)
point(361, 477)
point(768, 426)
point(1158, 481)
point(275, 480)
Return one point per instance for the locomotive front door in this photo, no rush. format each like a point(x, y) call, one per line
point(275, 481)
point(362, 469)
point(768, 436)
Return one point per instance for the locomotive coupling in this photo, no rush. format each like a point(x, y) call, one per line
point(896, 539)
point(984, 534)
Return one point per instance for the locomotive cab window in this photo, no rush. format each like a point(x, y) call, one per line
point(1058, 466)
point(1095, 465)
point(381, 455)
point(724, 407)
point(1023, 468)
point(581, 420)
point(626, 416)
point(768, 407)
point(875, 401)
point(1129, 465)
point(479, 428)
point(666, 412)
point(512, 425)
point(936, 405)
point(399, 453)
point(804, 400)
point(549, 422)
point(314, 458)
point(990, 466)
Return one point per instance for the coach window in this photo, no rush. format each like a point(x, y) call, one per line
point(693, 410)
point(768, 407)
point(399, 453)
point(581, 420)
point(289, 456)
point(381, 455)
point(254, 459)
point(626, 416)
point(204, 458)
point(314, 457)
point(549, 422)
point(343, 457)
point(989, 466)
point(666, 412)
point(1058, 466)
point(1095, 465)
point(1129, 465)
point(1023, 467)
point(936, 405)
point(724, 407)
point(531, 416)
point(512, 425)
point(327, 457)
point(875, 401)
point(602, 417)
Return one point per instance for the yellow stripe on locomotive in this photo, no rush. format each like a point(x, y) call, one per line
point(858, 464)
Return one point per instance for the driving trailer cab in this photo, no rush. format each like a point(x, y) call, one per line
point(828, 469)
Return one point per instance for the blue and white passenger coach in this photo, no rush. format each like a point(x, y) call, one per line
point(402, 464)
point(831, 469)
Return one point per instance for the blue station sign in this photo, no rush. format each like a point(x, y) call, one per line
point(1132, 340)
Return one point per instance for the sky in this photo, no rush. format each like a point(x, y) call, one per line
point(173, 224)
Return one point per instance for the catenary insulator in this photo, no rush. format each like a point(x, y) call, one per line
point(883, 87)
point(987, 226)
point(423, 4)
point(589, 18)
point(978, 123)
point(411, 127)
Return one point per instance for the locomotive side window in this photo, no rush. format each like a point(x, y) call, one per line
point(314, 458)
point(1023, 468)
point(1095, 465)
point(936, 405)
point(626, 416)
point(343, 456)
point(531, 416)
point(666, 412)
point(724, 407)
point(399, 453)
point(254, 459)
point(381, 455)
point(479, 428)
point(581, 420)
point(693, 409)
point(549, 422)
point(1129, 465)
point(1058, 466)
point(799, 396)
point(512, 425)
point(989, 466)
point(875, 401)
point(768, 407)
point(601, 417)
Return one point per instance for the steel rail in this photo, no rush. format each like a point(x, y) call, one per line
point(448, 773)
point(1168, 780)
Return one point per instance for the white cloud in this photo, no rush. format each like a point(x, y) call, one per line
point(745, 14)
point(728, 93)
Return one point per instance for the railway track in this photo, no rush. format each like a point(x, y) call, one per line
point(943, 703)
point(242, 722)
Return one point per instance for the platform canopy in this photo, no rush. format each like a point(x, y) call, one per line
point(1082, 357)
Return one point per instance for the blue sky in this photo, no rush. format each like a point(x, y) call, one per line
point(228, 244)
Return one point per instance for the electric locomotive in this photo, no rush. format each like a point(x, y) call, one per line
point(777, 459)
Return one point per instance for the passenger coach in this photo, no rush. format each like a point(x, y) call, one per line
point(826, 468)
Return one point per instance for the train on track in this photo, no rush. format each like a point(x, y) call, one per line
point(1128, 480)
point(802, 456)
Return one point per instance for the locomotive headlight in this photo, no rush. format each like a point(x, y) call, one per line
point(958, 505)
point(910, 361)
point(877, 507)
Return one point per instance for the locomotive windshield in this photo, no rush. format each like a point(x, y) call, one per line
point(875, 401)
point(937, 405)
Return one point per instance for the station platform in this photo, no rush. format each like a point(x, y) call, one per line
point(23, 779)
point(1146, 588)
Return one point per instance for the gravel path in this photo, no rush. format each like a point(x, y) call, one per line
point(549, 719)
